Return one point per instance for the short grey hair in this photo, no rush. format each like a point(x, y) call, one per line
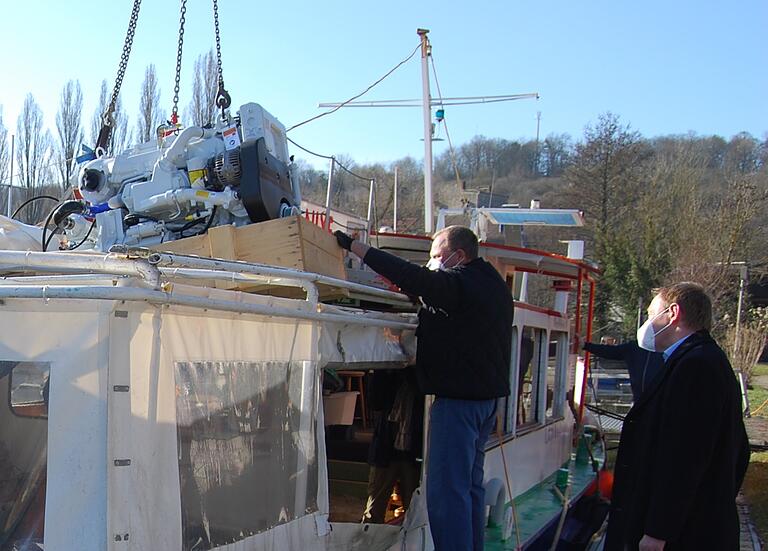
point(460, 237)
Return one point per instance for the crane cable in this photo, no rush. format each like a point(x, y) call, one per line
point(107, 119)
point(223, 100)
point(177, 79)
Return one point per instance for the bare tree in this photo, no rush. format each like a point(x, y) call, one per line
point(69, 128)
point(33, 153)
point(202, 108)
point(150, 114)
point(120, 136)
point(5, 154)
point(5, 161)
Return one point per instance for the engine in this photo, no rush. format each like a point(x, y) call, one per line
point(182, 183)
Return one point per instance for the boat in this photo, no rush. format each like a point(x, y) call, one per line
point(155, 403)
point(164, 367)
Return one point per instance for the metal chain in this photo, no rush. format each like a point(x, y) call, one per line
point(107, 120)
point(182, 20)
point(223, 99)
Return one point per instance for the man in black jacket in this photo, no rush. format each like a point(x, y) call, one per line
point(643, 365)
point(684, 449)
point(462, 357)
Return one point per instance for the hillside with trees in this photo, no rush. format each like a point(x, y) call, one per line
point(657, 209)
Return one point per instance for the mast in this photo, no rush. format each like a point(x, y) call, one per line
point(426, 51)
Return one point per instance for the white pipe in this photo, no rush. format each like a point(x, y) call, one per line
point(191, 273)
point(180, 144)
point(169, 259)
point(173, 197)
point(159, 297)
point(82, 262)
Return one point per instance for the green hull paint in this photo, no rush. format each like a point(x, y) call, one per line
point(540, 506)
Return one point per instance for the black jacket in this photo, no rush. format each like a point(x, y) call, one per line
point(682, 456)
point(643, 366)
point(465, 329)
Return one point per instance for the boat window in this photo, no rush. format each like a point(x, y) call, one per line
point(556, 360)
point(509, 403)
point(247, 448)
point(531, 341)
point(29, 389)
point(23, 453)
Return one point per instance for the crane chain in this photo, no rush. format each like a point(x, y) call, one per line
point(107, 119)
point(223, 99)
point(182, 21)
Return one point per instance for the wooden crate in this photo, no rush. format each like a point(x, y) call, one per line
point(291, 242)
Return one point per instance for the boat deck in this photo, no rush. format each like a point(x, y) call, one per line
point(541, 502)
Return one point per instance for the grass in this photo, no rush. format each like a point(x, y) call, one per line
point(758, 394)
point(754, 489)
point(756, 480)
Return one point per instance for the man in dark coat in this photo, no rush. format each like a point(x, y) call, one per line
point(684, 449)
point(462, 357)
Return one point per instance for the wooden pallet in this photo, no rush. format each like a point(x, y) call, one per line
point(291, 242)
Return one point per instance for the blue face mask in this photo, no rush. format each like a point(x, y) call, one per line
point(435, 264)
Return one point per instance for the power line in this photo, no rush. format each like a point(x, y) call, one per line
point(364, 178)
point(392, 70)
point(307, 150)
point(336, 162)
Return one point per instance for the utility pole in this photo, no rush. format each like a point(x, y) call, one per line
point(426, 105)
point(328, 195)
point(394, 215)
point(538, 125)
point(426, 51)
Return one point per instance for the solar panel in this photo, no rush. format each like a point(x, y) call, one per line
point(538, 217)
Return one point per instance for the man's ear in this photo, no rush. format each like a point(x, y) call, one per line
point(674, 312)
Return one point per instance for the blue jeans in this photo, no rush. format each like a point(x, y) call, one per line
point(458, 431)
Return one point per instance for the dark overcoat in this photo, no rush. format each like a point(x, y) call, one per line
point(682, 456)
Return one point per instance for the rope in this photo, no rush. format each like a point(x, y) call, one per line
point(607, 413)
point(445, 124)
point(353, 98)
point(758, 409)
point(509, 485)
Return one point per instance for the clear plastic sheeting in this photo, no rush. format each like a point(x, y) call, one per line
point(247, 447)
point(23, 453)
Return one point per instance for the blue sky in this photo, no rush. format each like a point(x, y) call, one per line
point(664, 67)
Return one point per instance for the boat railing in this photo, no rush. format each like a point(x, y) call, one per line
point(75, 276)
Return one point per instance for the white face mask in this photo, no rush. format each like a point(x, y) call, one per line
point(435, 264)
point(646, 338)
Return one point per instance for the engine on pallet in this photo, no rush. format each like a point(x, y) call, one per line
point(187, 180)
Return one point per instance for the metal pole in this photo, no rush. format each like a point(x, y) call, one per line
point(538, 125)
point(371, 199)
point(10, 185)
point(426, 103)
point(328, 193)
point(394, 215)
point(742, 279)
